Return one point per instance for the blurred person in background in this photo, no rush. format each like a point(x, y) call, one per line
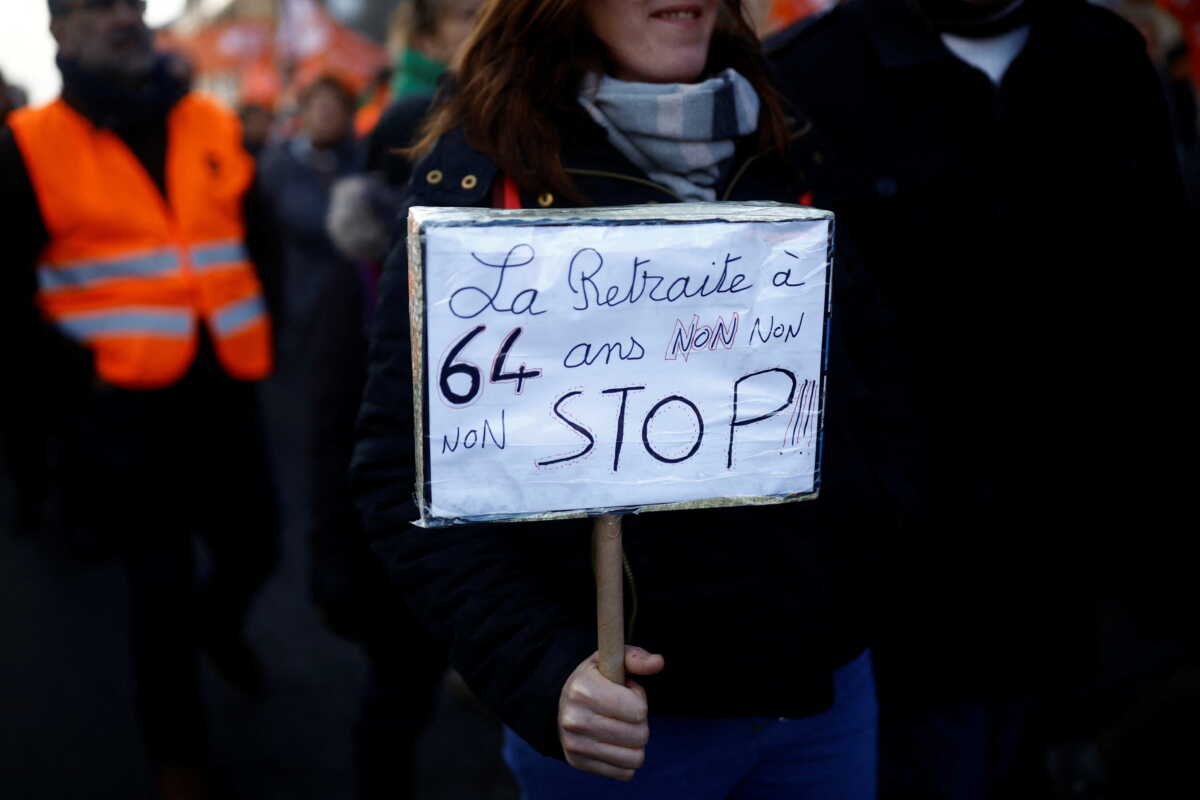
point(258, 120)
point(429, 35)
point(736, 691)
point(1004, 176)
point(1158, 27)
point(1187, 14)
point(425, 35)
point(375, 100)
point(363, 207)
point(296, 176)
point(135, 329)
point(313, 402)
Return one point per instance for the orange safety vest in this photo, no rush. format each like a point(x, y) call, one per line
point(131, 274)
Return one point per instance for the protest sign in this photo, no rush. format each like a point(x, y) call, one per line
point(581, 361)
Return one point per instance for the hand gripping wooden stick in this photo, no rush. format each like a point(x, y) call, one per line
point(608, 561)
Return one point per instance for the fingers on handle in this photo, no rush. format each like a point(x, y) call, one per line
point(583, 722)
point(596, 693)
point(642, 662)
point(630, 758)
point(607, 761)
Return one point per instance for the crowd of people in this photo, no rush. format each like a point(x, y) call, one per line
point(186, 287)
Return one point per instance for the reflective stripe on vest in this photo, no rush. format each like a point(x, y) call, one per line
point(87, 274)
point(129, 321)
point(236, 316)
point(222, 254)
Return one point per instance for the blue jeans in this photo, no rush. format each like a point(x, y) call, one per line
point(829, 756)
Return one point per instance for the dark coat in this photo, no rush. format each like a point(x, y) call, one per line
point(752, 607)
point(312, 398)
point(1010, 243)
point(296, 179)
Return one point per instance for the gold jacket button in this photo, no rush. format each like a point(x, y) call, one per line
point(470, 182)
point(545, 199)
point(433, 176)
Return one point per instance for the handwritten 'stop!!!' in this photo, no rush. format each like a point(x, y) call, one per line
point(637, 358)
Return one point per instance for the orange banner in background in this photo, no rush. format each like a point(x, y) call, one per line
point(263, 60)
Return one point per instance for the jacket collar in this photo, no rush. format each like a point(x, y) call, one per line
point(901, 37)
point(455, 174)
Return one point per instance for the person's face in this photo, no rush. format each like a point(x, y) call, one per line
point(106, 36)
point(655, 41)
point(326, 119)
point(454, 26)
point(256, 126)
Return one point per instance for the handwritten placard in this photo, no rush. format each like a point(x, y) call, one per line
point(572, 362)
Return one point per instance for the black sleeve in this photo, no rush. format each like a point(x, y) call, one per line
point(38, 359)
point(45, 372)
point(24, 231)
point(481, 590)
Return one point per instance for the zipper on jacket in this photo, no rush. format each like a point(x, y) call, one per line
point(599, 173)
point(746, 164)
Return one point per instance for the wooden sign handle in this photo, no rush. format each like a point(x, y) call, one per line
point(608, 561)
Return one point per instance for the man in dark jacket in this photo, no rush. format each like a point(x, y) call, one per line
point(141, 467)
point(1004, 180)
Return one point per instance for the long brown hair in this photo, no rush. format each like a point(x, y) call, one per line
point(520, 72)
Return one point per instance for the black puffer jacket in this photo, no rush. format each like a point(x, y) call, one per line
point(752, 607)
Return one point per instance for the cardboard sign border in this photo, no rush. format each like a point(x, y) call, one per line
point(674, 214)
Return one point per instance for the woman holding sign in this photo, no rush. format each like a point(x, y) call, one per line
point(749, 676)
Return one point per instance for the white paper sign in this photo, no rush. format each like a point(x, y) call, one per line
point(589, 360)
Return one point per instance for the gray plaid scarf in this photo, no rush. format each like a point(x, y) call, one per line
point(679, 134)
